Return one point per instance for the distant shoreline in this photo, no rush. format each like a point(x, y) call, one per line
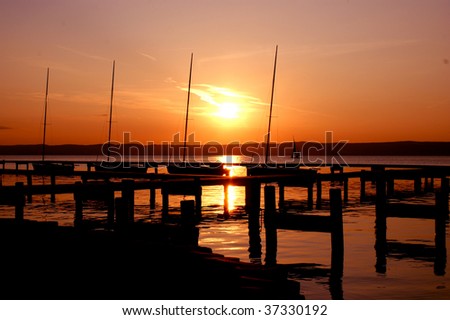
point(401, 148)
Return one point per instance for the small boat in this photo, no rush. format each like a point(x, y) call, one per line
point(45, 167)
point(49, 168)
point(116, 166)
point(218, 169)
point(185, 167)
point(295, 154)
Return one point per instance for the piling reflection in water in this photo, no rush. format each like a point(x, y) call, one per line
point(439, 213)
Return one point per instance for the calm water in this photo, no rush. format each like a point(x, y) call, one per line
point(410, 263)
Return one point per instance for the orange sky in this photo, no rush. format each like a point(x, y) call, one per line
point(365, 70)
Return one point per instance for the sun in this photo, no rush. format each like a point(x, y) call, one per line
point(228, 110)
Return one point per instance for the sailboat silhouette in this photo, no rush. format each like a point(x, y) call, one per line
point(267, 167)
point(109, 165)
point(46, 167)
point(295, 154)
point(194, 167)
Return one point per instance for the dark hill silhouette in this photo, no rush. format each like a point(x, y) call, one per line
point(400, 148)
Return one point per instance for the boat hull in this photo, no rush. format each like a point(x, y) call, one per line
point(194, 169)
point(53, 168)
point(119, 167)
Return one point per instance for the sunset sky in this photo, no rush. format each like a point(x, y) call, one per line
point(368, 71)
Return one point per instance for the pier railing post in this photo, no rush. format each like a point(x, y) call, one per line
point(19, 201)
point(270, 225)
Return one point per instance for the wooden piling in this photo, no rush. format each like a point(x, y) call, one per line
point(445, 188)
point(253, 207)
point(381, 199)
point(337, 232)
point(53, 184)
point(345, 190)
point(128, 198)
point(122, 216)
point(333, 169)
point(417, 185)
point(198, 199)
point(442, 205)
point(281, 196)
point(110, 203)
point(270, 225)
point(380, 223)
point(362, 192)
point(188, 216)
point(165, 203)
point(226, 211)
point(188, 232)
point(78, 197)
point(29, 185)
point(440, 232)
point(19, 201)
point(319, 192)
point(390, 185)
point(310, 196)
point(152, 198)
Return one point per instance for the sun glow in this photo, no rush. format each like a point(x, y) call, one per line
point(224, 104)
point(228, 110)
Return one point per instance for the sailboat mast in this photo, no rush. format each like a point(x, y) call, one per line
point(110, 108)
point(45, 115)
point(271, 103)
point(187, 109)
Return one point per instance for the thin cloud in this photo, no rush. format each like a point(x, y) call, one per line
point(147, 56)
point(217, 96)
point(83, 54)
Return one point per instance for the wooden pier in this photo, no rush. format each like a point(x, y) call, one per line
point(118, 191)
